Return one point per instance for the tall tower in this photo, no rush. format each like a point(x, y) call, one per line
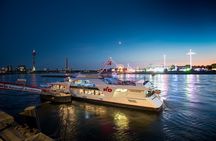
point(190, 53)
point(33, 60)
point(66, 64)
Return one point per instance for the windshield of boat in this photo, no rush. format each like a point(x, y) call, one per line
point(116, 81)
point(85, 83)
point(111, 80)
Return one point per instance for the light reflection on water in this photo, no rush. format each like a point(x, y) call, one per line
point(81, 121)
point(190, 113)
point(121, 121)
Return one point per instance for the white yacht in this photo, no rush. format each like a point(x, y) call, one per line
point(116, 92)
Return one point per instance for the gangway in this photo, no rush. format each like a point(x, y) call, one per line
point(19, 87)
point(45, 93)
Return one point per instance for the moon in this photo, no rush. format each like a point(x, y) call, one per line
point(119, 42)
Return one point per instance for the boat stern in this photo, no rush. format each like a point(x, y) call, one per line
point(156, 102)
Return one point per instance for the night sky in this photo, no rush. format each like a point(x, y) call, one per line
point(137, 32)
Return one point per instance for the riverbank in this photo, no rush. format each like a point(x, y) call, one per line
point(73, 74)
point(150, 73)
point(10, 130)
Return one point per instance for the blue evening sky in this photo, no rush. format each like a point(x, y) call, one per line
point(89, 31)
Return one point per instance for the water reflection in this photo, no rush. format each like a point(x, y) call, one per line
point(67, 122)
point(34, 80)
point(121, 121)
point(190, 86)
point(85, 121)
point(91, 109)
point(191, 112)
point(161, 82)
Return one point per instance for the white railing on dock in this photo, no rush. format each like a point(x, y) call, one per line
point(18, 87)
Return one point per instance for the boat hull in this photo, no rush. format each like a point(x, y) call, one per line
point(56, 99)
point(107, 103)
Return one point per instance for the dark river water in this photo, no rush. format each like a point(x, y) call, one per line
point(190, 112)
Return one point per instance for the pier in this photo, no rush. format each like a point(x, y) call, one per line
point(47, 95)
point(19, 87)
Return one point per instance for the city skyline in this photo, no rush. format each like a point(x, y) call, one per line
point(88, 32)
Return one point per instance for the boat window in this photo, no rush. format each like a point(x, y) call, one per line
point(85, 83)
point(114, 81)
point(101, 93)
point(86, 92)
point(121, 90)
point(81, 91)
point(62, 87)
point(91, 92)
point(97, 92)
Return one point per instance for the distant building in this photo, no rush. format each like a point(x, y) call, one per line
point(213, 67)
point(3, 70)
point(45, 69)
point(9, 68)
point(21, 68)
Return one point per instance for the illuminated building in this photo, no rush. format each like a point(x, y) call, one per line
point(213, 67)
point(21, 68)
